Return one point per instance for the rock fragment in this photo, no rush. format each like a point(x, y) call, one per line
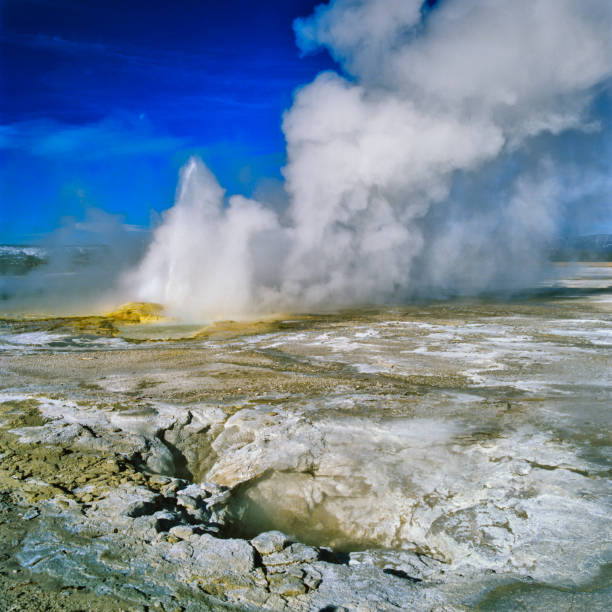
point(287, 585)
point(217, 556)
point(295, 553)
point(270, 542)
point(182, 532)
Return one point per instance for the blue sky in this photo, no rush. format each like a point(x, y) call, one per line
point(101, 102)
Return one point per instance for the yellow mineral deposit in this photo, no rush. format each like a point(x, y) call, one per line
point(137, 313)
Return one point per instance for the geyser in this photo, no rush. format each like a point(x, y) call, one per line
point(390, 164)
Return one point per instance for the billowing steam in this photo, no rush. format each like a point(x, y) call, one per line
point(427, 169)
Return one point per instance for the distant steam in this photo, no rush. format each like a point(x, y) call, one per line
point(74, 270)
point(429, 169)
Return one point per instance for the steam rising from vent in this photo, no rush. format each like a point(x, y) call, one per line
point(429, 168)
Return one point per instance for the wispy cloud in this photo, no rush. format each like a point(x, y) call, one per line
point(180, 61)
point(46, 138)
point(46, 41)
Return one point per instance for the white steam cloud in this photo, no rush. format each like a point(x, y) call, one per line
point(389, 166)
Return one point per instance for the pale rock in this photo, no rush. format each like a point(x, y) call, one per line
point(130, 501)
point(191, 503)
point(295, 553)
point(286, 585)
point(275, 602)
point(159, 459)
point(148, 425)
point(222, 556)
point(270, 542)
point(259, 577)
point(193, 491)
point(312, 577)
point(180, 552)
point(182, 532)
point(165, 519)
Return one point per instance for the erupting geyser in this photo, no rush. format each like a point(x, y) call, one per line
point(390, 165)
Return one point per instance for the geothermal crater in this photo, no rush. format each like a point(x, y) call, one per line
point(444, 454)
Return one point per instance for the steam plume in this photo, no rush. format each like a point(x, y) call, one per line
point(389, 165)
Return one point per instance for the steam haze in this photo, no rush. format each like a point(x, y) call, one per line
point(76, 267)
point(432, 166)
